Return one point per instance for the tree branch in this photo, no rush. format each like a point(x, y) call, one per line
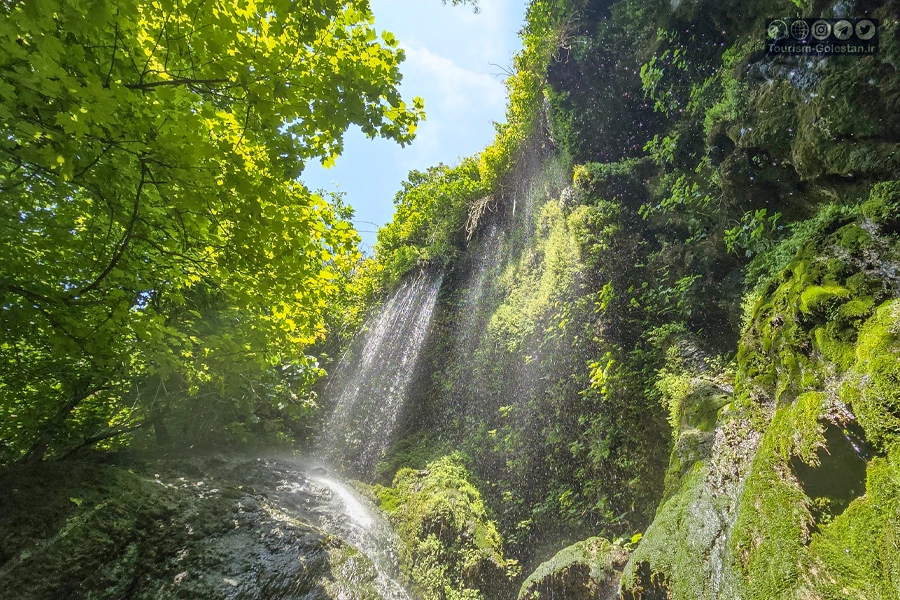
point(105, 435)
point(174, 82)
point(112, 62)
point(123, 245)
point(39, 448)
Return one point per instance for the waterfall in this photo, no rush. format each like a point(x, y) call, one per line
point(369, 386)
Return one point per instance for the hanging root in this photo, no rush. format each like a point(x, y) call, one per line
point(476, 211)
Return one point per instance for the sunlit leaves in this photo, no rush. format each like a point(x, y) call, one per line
point(150, 221)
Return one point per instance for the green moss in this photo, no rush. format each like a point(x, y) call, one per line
point(858, 554)
point(776, 546)
point(884, 202)
point(676, 547)
point(388, 498)
point(703, 406)
point(539, 280)
point(815, 305)
point(820, 350)
point(774, 523)
point(450, 549)
point(816, 324)
point(414, 451)
point(353, 574)
point(695, 401)
point(817, 298)
point(872, 387)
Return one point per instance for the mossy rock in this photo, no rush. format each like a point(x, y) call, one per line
point(676, 545)
point(798, 496)
point(821, 356)
point(450, 549)
point(872, 386)
point(683, 554)
point(587, 570)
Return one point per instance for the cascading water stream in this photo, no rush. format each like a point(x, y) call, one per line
point(361, 526)
point(368, 388)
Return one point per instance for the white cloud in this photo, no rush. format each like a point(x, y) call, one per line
point(491, 29)
point(449, 51)
point(458, 90)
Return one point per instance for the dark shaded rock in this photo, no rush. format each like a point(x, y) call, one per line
point(91, 531)
point(587, 570)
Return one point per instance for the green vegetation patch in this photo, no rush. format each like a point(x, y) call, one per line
point(821, 352)
point(450, 548)
point(676, 547)
point(873, 385)
point(816, 385)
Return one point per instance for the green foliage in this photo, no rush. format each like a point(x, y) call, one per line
point(430, 214)
point(570, 373)
point(662, 151)
point(538, 284)
point(153, 226)
point(434, 208)
point(721, 94)
point(684, 194)
point(818, 351)
point(652, 74)
point(474, 3)
point(870, 387)
point(756, 233)
point(449, 547)
point(595, 104)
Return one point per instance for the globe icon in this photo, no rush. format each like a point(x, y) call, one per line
point(800, 29)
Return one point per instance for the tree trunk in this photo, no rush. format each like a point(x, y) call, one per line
point(41, 444)
point(159, 428)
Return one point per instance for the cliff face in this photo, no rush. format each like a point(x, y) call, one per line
point(782, 480)
point(794, 491)
point(696, 258)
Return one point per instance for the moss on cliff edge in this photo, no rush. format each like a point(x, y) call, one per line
point(776, 510)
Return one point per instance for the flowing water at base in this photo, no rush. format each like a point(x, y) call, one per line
point(326, 501)
point(311, 492)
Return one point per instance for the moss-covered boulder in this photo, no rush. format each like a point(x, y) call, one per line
point(799, 495)
point(587, 570)
point(450, 549)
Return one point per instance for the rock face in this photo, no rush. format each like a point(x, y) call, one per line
point(588, 570)
point(798, 494)
point(201, 528)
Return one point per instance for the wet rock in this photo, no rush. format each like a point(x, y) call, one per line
point(185, 528)
point(588, 570)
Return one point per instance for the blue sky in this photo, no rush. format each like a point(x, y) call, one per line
point(449, 56)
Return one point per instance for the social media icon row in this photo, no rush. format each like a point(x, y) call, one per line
point(821, 30)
